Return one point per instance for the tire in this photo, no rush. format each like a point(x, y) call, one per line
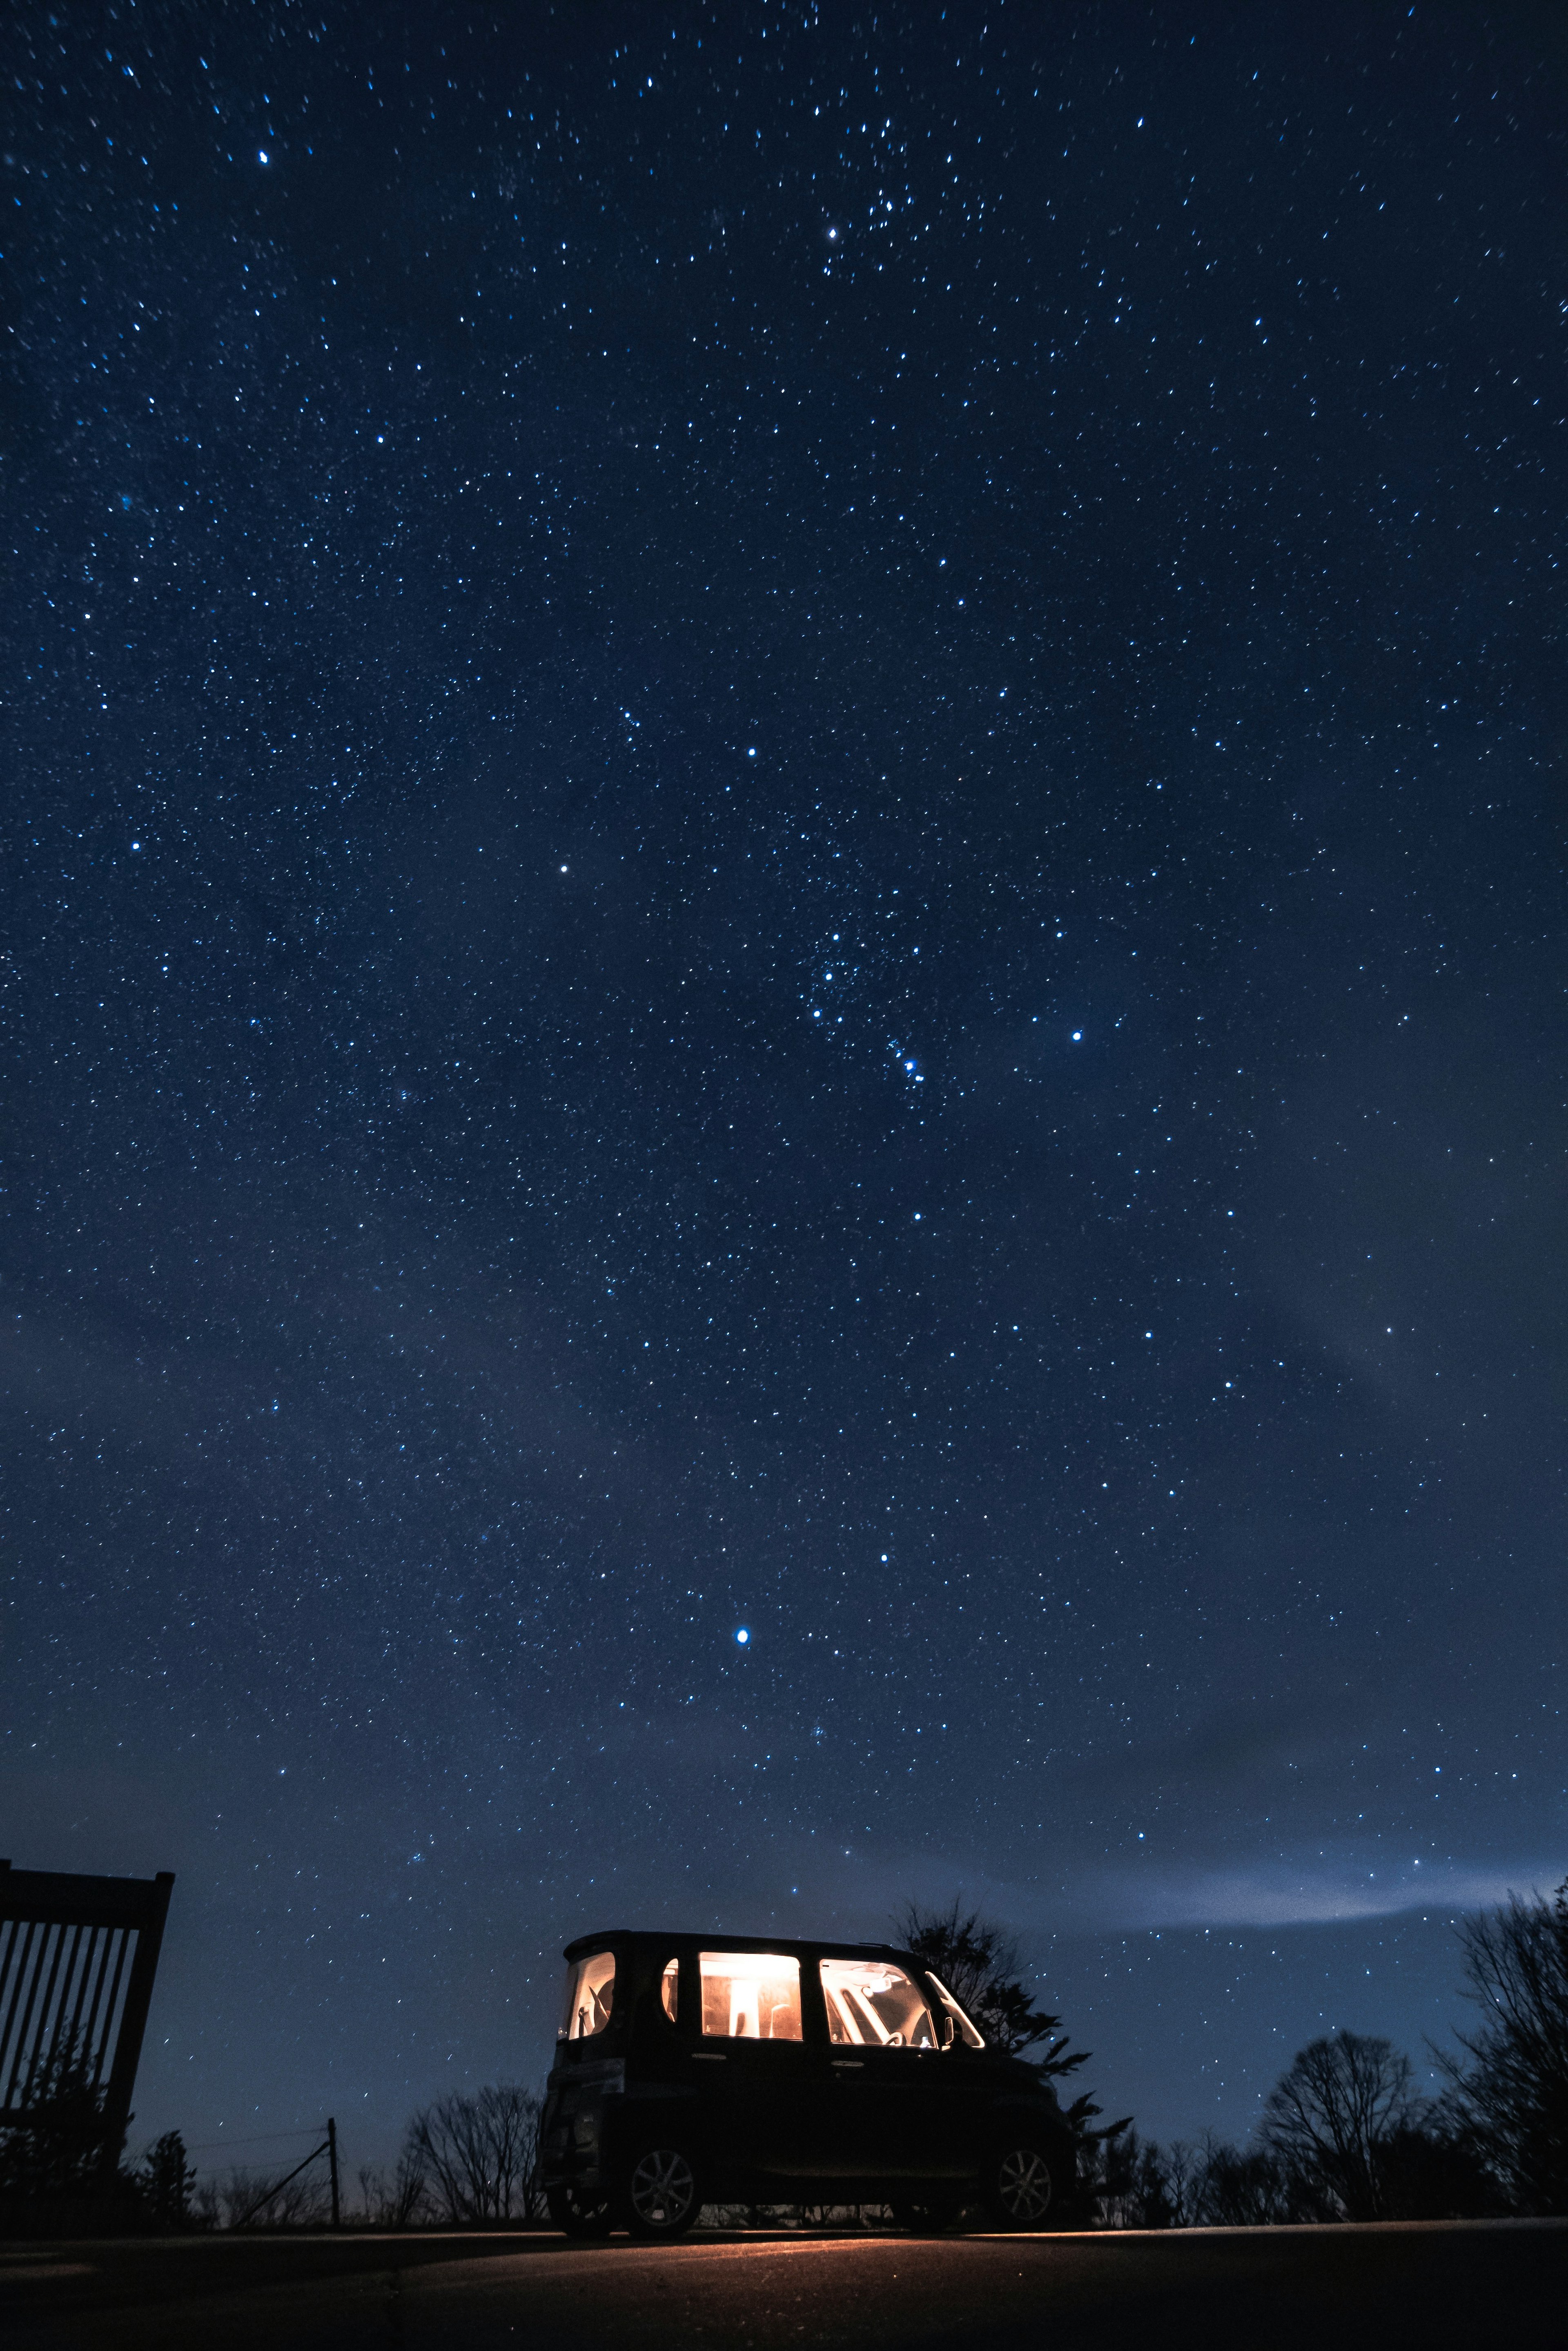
point(568, 2211)
point(660, 2196)
point(1025, 2186)
point(924, 2220)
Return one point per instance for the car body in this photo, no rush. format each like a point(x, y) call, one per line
point(695, 2069)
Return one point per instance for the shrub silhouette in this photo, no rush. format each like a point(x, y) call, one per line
point(61, 2150)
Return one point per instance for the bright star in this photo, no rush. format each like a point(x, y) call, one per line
point(742, 1635)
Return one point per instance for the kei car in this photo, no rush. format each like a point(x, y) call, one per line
point(702, 2069)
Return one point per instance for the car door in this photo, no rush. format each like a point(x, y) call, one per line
point(750, 2062)
point(885, 2075)
point(966, 2084)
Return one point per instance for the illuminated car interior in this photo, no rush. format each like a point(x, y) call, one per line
point(874, 2005)
point(590, 1996)
point(961, 2025)
point(750, 1996)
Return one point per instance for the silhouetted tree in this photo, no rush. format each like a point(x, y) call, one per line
point(1145, 2186)
point(245, 2199)
point(1178, 2187)
point(401, 2202)
point(1326, 2116)
point(1426, 2170)
point(1510, 2086)
point(1344, 2137)
point(61, 2150)
point(1433, 2171)
point(479, 2154)
point(164, 2180)
point(1239, 2190)
point(1138, 2184)
point(982, 1966)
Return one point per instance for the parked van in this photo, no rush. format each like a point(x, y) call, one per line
point(694, 2070)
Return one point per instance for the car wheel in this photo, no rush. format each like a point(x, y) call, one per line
point(923, 2219)
point(1021, 2186)
point(660, 2197)
point(569, 2211)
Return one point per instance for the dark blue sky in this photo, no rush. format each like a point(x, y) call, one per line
point(784, 850)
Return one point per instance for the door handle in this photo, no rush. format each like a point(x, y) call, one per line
point(709, 2057)
point(850, 2064)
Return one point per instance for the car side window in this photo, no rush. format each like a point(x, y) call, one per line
point(590, 1997)
point(956, 2022)
point(871, 2004)
point(750, 1996)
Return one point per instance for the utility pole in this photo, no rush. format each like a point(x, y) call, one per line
point(332, 2161)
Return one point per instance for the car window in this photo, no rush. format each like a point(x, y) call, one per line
point(590, 1996)
point(750, 1996)
point(961, 2025)
point(874, 2005)
point(670, 1990)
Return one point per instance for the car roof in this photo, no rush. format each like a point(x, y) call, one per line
point(787, 1946)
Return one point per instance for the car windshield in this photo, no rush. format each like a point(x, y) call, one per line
point(961, 2025)
point(750, 1996)
point(874, 2004)
point(590, 1996)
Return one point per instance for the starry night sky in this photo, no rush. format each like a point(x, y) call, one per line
point(784, 847)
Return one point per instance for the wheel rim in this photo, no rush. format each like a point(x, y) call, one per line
point(662, 2188)
point(1024, 2184)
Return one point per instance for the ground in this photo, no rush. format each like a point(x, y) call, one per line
point(1469, 2284)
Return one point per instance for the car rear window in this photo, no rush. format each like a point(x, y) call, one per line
point(590, 1997)
point(750, 1996)
point(871, 2004)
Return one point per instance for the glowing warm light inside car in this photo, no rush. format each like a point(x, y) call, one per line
point(961, 2025)
point(750, 1996)
point(874, 2005)
point(590, 1995)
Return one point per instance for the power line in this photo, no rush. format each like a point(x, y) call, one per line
point(326, 2147)
point(266, 2138)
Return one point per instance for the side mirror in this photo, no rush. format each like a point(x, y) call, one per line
point(946, 2029)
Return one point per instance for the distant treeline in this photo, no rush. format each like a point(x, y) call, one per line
point(1344, 2136)
point(471, 2160)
